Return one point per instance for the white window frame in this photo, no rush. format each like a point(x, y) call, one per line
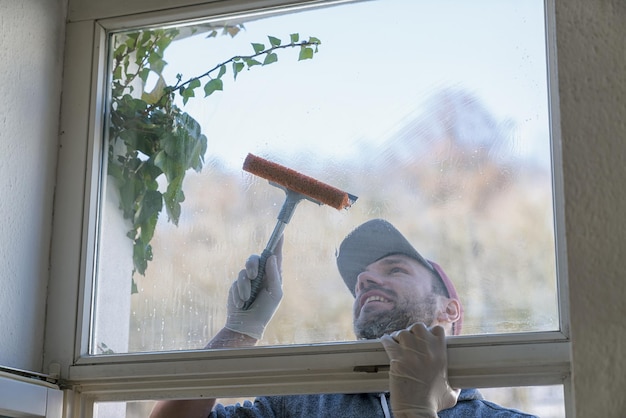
point(28, 394)
point(521, 359)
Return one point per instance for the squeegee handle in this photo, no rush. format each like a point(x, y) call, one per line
point(255, 284)
point(289, 206)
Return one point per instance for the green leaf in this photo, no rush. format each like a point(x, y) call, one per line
point(141, 53)
point(133, 288)
point(166, 39)
point(192, 127)
point(130, 42)
point(128, 193)
point(142, 253)
point(294, 38)
point(274, 41)
point(237, 67)
point(114, 170)
point(251, 62)
point(187, 93)
point(212, 86)
point(133, 36)
point(194, 84)
point(305, 53)
point(149, 173)
point(171, 143)
point(157, 66)
point(314, 40)
point(144, 73)
point(270, 58)
point(173, 197)
point(160, 160)
point(126, 63)
point(258, 47)
point(117, 74)
point(222, 71)
point(150, 205)
point(120, 51)
point(197, 155)
point(153, 56)
point(146, 37)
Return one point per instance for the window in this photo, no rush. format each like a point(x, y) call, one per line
point(429, 139)
point(543, 401)
point(412, 115)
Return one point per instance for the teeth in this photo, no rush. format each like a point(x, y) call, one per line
point(375, 299)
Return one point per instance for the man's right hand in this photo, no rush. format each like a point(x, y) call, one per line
point(252, 322)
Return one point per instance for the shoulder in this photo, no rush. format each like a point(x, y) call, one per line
point(472, 404)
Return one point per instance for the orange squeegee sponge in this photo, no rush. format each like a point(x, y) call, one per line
point(297, 182)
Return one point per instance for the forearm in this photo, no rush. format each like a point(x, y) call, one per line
point(242, 329)
point(201, 408)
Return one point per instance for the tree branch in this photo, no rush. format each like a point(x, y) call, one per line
point(179, 85)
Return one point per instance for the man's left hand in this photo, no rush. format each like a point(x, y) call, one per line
point(418, 374)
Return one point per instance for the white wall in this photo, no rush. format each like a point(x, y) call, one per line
point(31, 58)
point(592, 79)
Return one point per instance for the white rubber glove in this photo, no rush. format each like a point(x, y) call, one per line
point(253, 321)
point(418, 373)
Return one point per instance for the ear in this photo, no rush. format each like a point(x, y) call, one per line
point(450, 311)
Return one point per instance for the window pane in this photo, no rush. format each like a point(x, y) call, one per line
point(542, 401)
point(434, 113)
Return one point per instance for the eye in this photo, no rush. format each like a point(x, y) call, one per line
point(397, 270)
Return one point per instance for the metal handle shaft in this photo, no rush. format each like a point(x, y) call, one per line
point(286, 212)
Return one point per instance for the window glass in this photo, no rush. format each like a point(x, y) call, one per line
point(434, 113)
point(542, 401)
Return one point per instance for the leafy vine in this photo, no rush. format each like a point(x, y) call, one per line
point(150, 137)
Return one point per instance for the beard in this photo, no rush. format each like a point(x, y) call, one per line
point(405, 313)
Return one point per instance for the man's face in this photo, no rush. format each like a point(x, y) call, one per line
point(391, 294)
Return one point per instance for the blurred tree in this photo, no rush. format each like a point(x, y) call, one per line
point(467, 150)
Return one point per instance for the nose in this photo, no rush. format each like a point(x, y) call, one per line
point(366, 278)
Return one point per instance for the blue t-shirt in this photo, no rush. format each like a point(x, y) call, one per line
point(470, 404)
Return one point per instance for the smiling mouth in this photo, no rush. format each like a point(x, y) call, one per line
point(375, 296)
point(375, 299)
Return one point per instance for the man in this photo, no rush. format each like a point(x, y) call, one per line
point(400, 297)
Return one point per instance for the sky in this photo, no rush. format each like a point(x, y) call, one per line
point(379, 63)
